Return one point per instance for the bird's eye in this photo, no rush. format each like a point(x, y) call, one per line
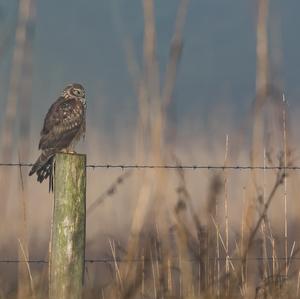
point(76, 92)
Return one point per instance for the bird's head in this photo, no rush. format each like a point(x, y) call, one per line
point(74, 90)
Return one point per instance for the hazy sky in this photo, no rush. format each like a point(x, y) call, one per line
point(79, 40)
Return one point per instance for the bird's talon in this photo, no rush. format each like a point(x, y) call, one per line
point(72, 152)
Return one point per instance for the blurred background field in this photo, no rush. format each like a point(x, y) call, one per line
point(168, 83)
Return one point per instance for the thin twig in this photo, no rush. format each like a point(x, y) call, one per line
point(109, 192)
point(279, 181)
point(28, 267)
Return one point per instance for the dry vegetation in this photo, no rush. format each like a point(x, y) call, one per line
point(159, 233)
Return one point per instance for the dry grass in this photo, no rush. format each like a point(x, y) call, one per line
point(174, 233)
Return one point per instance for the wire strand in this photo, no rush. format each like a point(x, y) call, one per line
point(112, 260)
point(169, 166)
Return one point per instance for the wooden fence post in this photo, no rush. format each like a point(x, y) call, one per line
point(67, 248)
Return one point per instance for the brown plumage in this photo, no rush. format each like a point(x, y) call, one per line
point(64, 125)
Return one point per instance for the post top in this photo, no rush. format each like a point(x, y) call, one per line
point(70, 154)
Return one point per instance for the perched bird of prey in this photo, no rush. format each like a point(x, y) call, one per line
point(64, 125)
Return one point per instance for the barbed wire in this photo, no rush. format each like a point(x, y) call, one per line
point(119, 260)
point(169, 166)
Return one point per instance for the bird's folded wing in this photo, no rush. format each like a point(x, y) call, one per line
point(63, 121)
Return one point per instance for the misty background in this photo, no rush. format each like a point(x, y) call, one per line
point(78, 42)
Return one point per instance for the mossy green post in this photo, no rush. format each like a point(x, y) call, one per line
point(67, 248)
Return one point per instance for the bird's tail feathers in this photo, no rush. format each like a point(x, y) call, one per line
point(43, 165)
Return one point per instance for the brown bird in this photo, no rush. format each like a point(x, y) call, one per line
point(64, 125)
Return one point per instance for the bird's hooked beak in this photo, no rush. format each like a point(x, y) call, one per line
point(83, 101)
